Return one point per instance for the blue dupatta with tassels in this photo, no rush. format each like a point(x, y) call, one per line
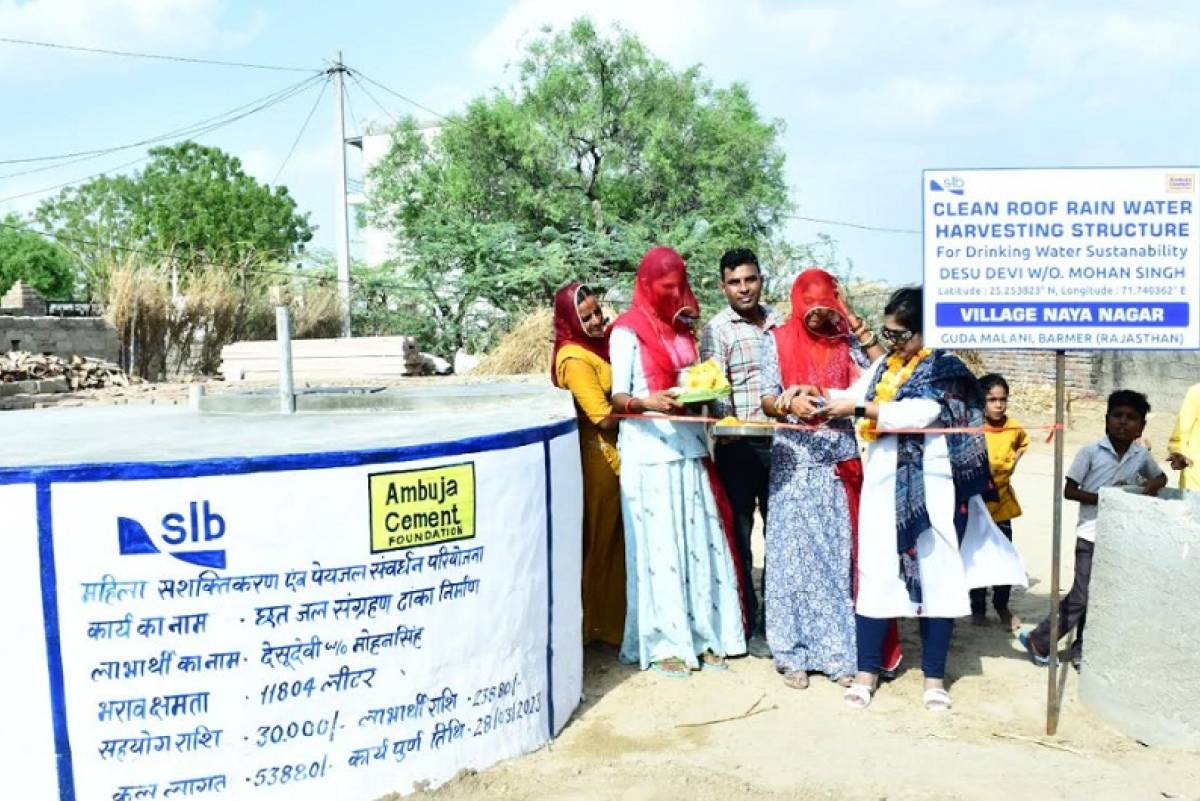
point(941, 377)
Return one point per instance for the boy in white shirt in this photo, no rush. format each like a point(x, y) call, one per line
point(1116, 460)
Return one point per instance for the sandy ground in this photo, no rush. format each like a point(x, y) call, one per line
point(634, 737)
point(642, 737)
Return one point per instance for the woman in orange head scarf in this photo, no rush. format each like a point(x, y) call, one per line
point(580, 364)
point(684, 604)
point(661, 315)
point(816, 477)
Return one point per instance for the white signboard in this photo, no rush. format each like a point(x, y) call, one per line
point(1061, 259)
point(318, 629)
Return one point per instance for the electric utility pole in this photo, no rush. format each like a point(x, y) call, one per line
point(341, 211)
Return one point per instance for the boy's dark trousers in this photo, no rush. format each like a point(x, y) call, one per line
point(1000, 594)
point(1072, 611)
point(745, 469)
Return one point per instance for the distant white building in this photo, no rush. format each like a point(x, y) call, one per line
point(379, 244)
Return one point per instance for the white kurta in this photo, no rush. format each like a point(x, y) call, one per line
point(986, 557)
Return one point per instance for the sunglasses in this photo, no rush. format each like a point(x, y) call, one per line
point(896, 336)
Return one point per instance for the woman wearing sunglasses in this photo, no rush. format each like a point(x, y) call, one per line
point(923, 494)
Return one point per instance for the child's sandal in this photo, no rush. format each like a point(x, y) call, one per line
point(858, 696)
point(937, 699)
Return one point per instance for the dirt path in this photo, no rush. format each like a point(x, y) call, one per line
point(626, 743)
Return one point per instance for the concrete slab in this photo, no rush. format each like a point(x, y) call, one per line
point(1141, 649)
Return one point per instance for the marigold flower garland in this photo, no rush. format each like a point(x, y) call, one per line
point(898, 371)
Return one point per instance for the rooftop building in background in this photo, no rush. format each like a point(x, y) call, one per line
point(379, 244)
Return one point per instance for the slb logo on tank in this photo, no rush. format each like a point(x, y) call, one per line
point(186, 535)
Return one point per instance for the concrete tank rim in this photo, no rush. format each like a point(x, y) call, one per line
point(280, 462)
point(134, 441)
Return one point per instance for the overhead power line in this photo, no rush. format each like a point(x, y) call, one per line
point(300, 135)
point(84, 155)
point(323, 279)
point(859, 226)
point(355, 74)
point(162, 254)
point(65, 184)
point(394, 93)
point(358, 129)
point(191, 131)
point(155, 56)
point(373, 99)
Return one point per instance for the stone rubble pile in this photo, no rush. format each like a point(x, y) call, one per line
point(56, 374)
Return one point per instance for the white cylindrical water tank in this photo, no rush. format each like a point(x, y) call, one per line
point(349, 603)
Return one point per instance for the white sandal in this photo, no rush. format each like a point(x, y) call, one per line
point(937, 699)
point(858, 696)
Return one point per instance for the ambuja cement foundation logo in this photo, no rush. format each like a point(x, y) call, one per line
point(181, 533)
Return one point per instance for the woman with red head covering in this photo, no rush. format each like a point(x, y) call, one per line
point(684, 608)
point(580, 364)
point(815, 481)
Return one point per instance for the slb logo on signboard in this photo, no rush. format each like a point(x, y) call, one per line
point(951, 183)
point(181, 533)
point(422, 507)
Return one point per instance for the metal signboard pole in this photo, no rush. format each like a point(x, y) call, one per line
point(1053, 701)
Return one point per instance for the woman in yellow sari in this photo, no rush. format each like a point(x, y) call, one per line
point(580, 365)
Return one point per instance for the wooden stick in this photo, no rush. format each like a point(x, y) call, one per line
point(1037, 741)
point(751, 712)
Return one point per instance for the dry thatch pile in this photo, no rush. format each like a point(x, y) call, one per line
point(524, 349)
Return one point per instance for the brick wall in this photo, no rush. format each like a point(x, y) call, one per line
point(1163, 376)
point(1083, 374)
point(60, 336)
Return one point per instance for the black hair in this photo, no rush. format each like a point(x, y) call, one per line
point(736, 258)
point(906, 306)
point(1130, 400)
point(582, 293)
point(986, 382)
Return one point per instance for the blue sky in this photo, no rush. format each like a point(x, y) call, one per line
point(871, 92)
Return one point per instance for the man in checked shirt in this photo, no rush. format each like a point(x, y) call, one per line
point(733, 338)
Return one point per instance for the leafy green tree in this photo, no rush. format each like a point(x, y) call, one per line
point(598, 152)
point(29, 257)
point(192, 202)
